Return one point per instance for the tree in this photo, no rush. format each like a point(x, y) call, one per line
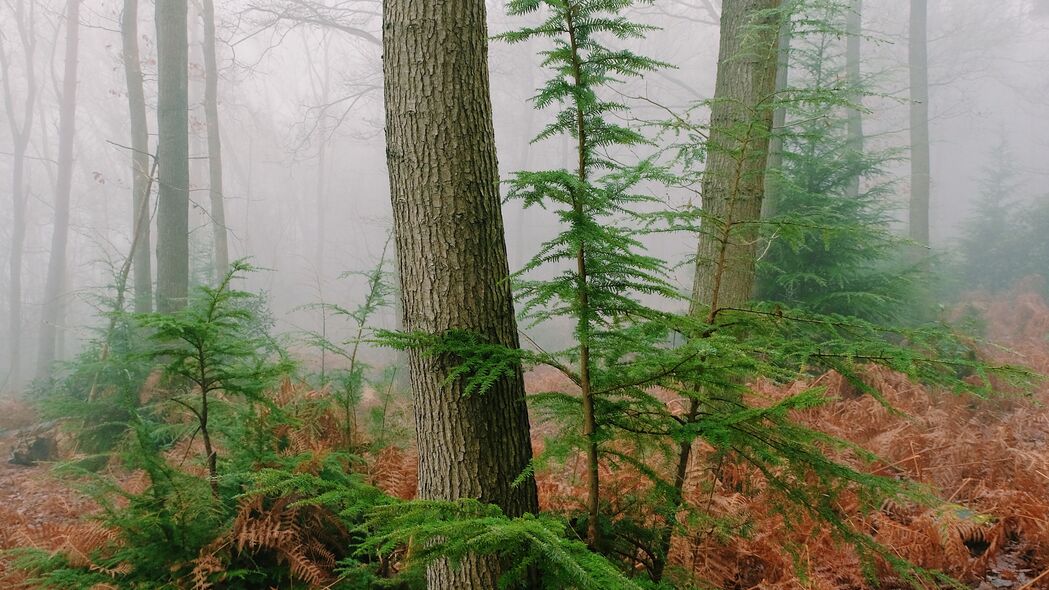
point(452, 261)
point(918, 58)
point(21, 130)
point(737, 154)
point(173, 155)
point(854, 39)
point(140, 165)
point(56, 271)
point(211, 115)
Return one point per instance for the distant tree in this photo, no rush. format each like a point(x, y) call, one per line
point(854, 81)
point(918, 58)
point(54, 289)
point(140, 160)
point(21, 128)
point(211, 115)
point(173, 155)
point(1000, 235)
point(452, 262)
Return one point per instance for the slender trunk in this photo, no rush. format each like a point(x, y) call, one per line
point(779, 121)
point(211, 116)
point(54, 289)
point(733, 182)
point(173, 154)
point(920, 178)
point(593, 478)
point(136, 98)
point(21, 131)
point(444, 181)
point(854, 141)
point(210, 454)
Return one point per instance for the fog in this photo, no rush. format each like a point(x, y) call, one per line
point(300, 104)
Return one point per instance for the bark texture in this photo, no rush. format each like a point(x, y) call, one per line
point(140, 165)
point(21, 128)
point(54, 288)
point(173, 154)
point(740, 130)
point(918, 51)
point(452, 258)
point(211, 116)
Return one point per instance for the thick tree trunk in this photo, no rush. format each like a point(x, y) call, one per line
point(452, 259)
point(211, 115)
point(741, 120)
point(140, 181)
point(920, 173)
point(21, 131)
point(173, 153)
point(54, 289)
point(740, 130)
point(853, 45)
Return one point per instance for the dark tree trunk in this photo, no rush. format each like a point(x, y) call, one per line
point(140, 165)
point(452, 259)
point(920, 173)
point(54, 289)
point(173, 153)
point(211, 115)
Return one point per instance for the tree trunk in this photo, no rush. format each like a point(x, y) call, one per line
point(733, 182)
point(741, 119)
point(920, 179)
point(853, 45)
point(211, 115)
point(779, 121)
point(136, 98)
point(54, 289)
point(21, 131)
point(173, 153)
point(451, 247)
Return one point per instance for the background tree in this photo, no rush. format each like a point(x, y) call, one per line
point(918, 59)
point(173, 155)
point(21, 127)
point(452, 260)
point(854, 80)
point(54, 291)
point(211, 115)
point(140, 160)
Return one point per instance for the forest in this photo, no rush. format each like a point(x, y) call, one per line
point(524, 294)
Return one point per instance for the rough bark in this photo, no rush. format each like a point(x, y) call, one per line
point(740, 126)
point(733, 182)
point(211, 116)
point(853, 73)
point(920, 166)
point(21, 131)
point(173, 153)
point(452, 259)
point(136, 98)
point(54, 289)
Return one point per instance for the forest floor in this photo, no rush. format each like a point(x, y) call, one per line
point(989, 458)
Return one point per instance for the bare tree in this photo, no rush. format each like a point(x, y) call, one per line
point(140, 180)
point(54, 289)
point(21, 131)
point(853, 73)
point(173, 155)
point(211, 115)
point(918, 57)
